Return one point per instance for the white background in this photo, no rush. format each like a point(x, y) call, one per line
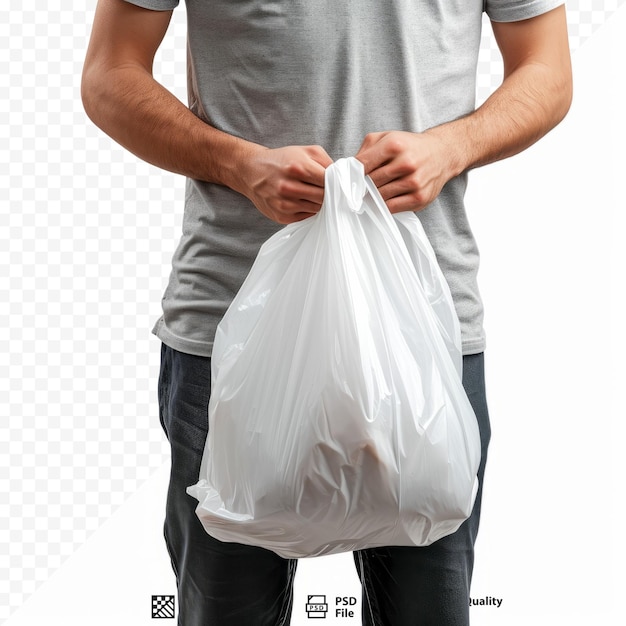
point(87, 235)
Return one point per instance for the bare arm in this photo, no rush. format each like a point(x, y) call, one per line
point(122, 97)
point(410, 169)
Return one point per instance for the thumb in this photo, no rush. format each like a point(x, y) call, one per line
point(367, 153)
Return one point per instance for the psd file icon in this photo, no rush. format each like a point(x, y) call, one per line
point(316, 607)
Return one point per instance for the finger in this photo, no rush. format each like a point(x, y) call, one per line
point(298, 217)
point(301, 192)
point(310, 208)
point(317, 174)
point(322, 157)
point(317, 160)
point(369, 140)
point(406, 202)
point(397, 187)
point(289, 218)
point(290, 208)
point(374, 158)
point(306, 170)
point(402, 203)
point(387, 174)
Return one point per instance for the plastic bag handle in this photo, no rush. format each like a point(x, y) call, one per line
point(347, 175)
point(350, 175)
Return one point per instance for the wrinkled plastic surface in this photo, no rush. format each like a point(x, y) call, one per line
point(337, 418)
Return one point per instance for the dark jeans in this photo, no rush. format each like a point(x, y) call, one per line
point(227, 584)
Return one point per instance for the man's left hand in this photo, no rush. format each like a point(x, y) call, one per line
point(409, 169)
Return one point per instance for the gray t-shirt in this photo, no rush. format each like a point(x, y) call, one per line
point(327, 72)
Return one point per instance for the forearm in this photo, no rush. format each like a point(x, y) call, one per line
point(411, 169)
point(285, 184)
point(122, 97)
point(129, 105)
point(531, 101)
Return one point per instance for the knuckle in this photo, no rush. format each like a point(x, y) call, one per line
point(405, 169)
point(416, 179)
point(410, 163)
point(281, 207)
point(284, 188)
point(369, 138)
point(375, 135)
point(293, 170)
point(419, 198)
point(395, 145)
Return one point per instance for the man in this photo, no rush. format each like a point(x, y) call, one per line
point(278, 90)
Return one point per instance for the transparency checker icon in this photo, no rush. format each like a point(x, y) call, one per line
point(316, 607)
point(163, 607)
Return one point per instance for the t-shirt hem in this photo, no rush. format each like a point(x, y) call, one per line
point(182, 344)
point(205, 348)
point(517, 13)
point(473, 346)
point(155, 5)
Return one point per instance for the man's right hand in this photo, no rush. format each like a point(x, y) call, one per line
point(122, 97)
point(285, 184)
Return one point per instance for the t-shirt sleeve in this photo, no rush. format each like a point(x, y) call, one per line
point(515, 10)
point(156, 5)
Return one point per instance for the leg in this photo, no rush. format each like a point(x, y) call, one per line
point(429, 586)
point(225, 584)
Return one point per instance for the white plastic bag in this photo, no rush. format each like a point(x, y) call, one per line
point(337, 418)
